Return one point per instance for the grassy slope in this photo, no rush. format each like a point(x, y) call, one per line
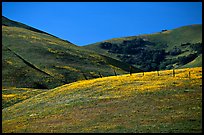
point(197, 62)
point(136, 103)
point(63, 61)
point(171, 38)
point(11, 23)
point(175, 37)
point(11, 96)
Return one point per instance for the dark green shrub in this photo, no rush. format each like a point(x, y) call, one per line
point(175, 51)
point(186, 59)
point(38, 85)
point(106, 45)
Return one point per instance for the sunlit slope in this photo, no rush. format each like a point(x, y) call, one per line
point(181, 46)
point(176, 37)
point(11, 96)
point(195, 63)
point(38, 60)
point(11, 23)
point(167, 39)
point(135, 103)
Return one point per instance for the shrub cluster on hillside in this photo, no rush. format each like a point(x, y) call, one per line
point(147, 59)
point(138, 52)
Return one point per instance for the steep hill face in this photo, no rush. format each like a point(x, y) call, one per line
point(35, 59)
point(163, 50)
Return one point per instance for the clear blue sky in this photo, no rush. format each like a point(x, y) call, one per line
point(84, 23)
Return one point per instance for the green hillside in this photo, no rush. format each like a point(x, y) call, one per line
point(11, 95)
point(11, 23)
point(117, 104)
point(162, 50)
point(197, 62)
point(35, 59)
point(50, 85)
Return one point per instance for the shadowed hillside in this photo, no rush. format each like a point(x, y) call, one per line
point(35, 59)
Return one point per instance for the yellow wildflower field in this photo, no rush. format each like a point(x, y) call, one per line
point(137, 103)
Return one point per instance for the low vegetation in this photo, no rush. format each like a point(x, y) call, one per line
point(35, 59)
point(11, 96)
point(163, 50)
point(50, 85)
point(149, 102)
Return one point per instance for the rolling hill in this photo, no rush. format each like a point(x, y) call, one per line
point(148, 103)
point(50, 85)
point(162, 50)
point(35, 59)
point(11, 95)
point(11, 23)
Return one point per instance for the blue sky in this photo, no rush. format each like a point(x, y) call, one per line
point(84, 23)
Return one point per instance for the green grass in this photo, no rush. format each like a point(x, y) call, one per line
point(11, 96)
point(191, 33)
point(197, 62)
point(32, 102)
point(11, 23)
point(161, 40)
point(63, 61)
point(175, 37)
point(117, 104)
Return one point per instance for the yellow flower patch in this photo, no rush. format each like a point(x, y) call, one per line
point(8, 95)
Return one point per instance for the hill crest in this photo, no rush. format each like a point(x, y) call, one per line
point(161, 50)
